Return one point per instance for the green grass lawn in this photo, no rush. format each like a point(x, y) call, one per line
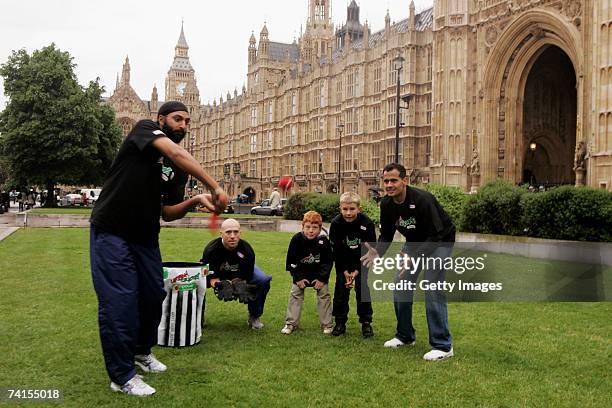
point(507, 354)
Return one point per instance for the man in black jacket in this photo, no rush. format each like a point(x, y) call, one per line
point(124, 244)
point(429, 232)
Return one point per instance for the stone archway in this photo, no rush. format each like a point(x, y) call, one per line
point(250, 193)
point(549, 120)
point(527, 39)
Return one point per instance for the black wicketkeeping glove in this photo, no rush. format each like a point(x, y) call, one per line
point(244, 292)
point(224, 290)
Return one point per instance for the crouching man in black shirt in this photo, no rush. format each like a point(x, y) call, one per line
point(229, 257)
point(429, 232)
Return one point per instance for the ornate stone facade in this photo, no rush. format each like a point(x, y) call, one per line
point(496, 89)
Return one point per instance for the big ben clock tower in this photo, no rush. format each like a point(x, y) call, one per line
point(180, 81)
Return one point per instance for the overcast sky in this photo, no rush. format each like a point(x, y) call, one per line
point(100, 34)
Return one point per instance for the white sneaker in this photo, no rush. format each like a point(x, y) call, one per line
point(255, 323)
point(437, 355)
point(395, 343)
point(327, 330)
point(134, 387)
point(288, 329)
point(149, 364)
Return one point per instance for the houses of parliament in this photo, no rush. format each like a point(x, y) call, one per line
point(519, 90)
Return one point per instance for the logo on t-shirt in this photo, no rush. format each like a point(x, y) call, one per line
point(167, 173)
point(227, 267)
point(352, 243)
point(408, 223)
point(310, 259)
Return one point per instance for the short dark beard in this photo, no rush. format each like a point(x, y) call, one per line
point(175, 135)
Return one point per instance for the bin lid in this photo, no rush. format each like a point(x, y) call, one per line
point(182, 264)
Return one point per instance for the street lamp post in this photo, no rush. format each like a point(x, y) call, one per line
point(398, 63)
point(340, 128)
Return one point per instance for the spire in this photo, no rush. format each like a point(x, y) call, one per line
point(411, 18)
point(154, 95)
point(352, 12)
point(252, 49)
point(263, 42)
point(181, 41)
point(387, 23)
point(154, 98)
point(181, 49)
point(125, 75)
point(117, 82)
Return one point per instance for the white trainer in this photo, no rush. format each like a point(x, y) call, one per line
point(327, 330)
point(437, 355)
point(395, 343)
point(288, 329)
point(134, 387)
point(255, 323)
point(149, 364)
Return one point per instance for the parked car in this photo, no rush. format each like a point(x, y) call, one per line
point(73, 199)
point(265, 209)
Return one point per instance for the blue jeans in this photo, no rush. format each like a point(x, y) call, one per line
point(128, 281)
point(435, 305)
point(262, 283)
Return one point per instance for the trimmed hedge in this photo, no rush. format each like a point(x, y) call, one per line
point(568, 212)
point(582, 214)
point(495, 209)
point(328, 205)
point(324, 204)
point(372, 210)
point(452, 199)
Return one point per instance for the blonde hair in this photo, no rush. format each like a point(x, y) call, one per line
point(350, 197)
point(312, 217)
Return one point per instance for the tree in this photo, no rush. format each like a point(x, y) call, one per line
point(53, 130)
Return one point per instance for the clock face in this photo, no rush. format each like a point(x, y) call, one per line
point(180, 88)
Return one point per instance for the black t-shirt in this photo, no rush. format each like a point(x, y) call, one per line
point(346, 239)
point(229, 264)
point(309, 259)
point(173, 183)
point(420, 218)
point(130, 202)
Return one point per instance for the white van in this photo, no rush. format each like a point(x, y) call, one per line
point(92, 194)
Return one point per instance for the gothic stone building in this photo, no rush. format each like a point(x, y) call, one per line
point(513, 89)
